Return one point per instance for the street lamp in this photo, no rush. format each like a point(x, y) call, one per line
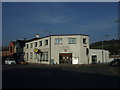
point(118, 21)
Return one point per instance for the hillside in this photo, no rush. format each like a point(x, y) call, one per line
point(112, 45)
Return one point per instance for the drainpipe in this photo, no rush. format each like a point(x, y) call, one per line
point(87, 53)
point(50, 48)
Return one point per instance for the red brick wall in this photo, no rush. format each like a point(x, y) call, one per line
point(11, 48)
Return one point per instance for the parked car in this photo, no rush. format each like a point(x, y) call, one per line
point(115, 62)
point(10, 61)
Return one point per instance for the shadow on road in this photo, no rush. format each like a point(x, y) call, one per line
point(56, 78)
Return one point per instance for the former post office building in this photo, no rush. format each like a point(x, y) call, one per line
point(61, 49)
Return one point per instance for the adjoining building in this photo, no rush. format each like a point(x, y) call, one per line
point(11, 48)
point(62, 49)
point(16, 49)
point(99, 56)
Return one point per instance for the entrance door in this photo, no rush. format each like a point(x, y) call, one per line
point(94, 59)
point(65, 58)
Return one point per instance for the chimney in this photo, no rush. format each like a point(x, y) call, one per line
point(37, 36)
point(25, 39)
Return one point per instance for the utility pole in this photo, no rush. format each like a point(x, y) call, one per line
point(103, 50)
point(118, 21)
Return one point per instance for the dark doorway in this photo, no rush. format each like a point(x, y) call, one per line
point(65, 58)
point(94, 59)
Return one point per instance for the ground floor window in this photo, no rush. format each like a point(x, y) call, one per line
point(31, 55)
point(44, 56)
point(27, 57)
point(35, 55)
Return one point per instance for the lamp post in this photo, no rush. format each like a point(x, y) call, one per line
point(118, 21)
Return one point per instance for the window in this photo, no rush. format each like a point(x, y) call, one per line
point(44, 56)
point(35, 44)
point(84, 40)
point(27, 46)
point(35, 55)
point(31, 45)
point(40, 43)
point(58, 40)
point(27, 55)
point(31, 55)
point(72, 40)
point(46, 42)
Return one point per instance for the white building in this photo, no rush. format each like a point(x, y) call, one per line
point(99, 56)
point(62, 49)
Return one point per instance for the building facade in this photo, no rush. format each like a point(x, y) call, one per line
point(59, 49)
point(99, 56)
point(16, 49)
point(11, 48)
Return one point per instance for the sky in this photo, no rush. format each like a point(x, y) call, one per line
point(0, 23)
point(25, 19)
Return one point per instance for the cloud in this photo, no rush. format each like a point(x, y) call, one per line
point(44, 19)
point(97, 25)
point(52, 19)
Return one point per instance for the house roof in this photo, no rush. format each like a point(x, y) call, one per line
point(55, 35)
point(21, 42)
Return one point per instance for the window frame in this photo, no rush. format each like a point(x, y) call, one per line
point(46, 42)
point(70, 41)
point(58, 40)
point(27, 56)
point(35, 44)
point(31, 55)
point(27, 46)
point(40, 43)
point(84, 41)
point(31, 45)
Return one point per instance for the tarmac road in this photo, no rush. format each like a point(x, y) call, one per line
point(60, 76)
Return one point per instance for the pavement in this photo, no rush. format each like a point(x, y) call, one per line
point(60, 76)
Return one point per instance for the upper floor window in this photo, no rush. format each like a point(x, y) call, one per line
point(58, 40)
point(27, 46)
point(84, 41)
point(46, 42)
point(35, 44)
point(72, 40)
point(31, 45)
point(40, 42)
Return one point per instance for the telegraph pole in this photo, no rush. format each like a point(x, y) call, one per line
point(103, 50)
point(118, 21)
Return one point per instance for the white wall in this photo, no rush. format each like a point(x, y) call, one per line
point(98, 53)
point(77, 49)
point(42, 48)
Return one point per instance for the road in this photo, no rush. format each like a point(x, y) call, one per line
point(60, 76)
